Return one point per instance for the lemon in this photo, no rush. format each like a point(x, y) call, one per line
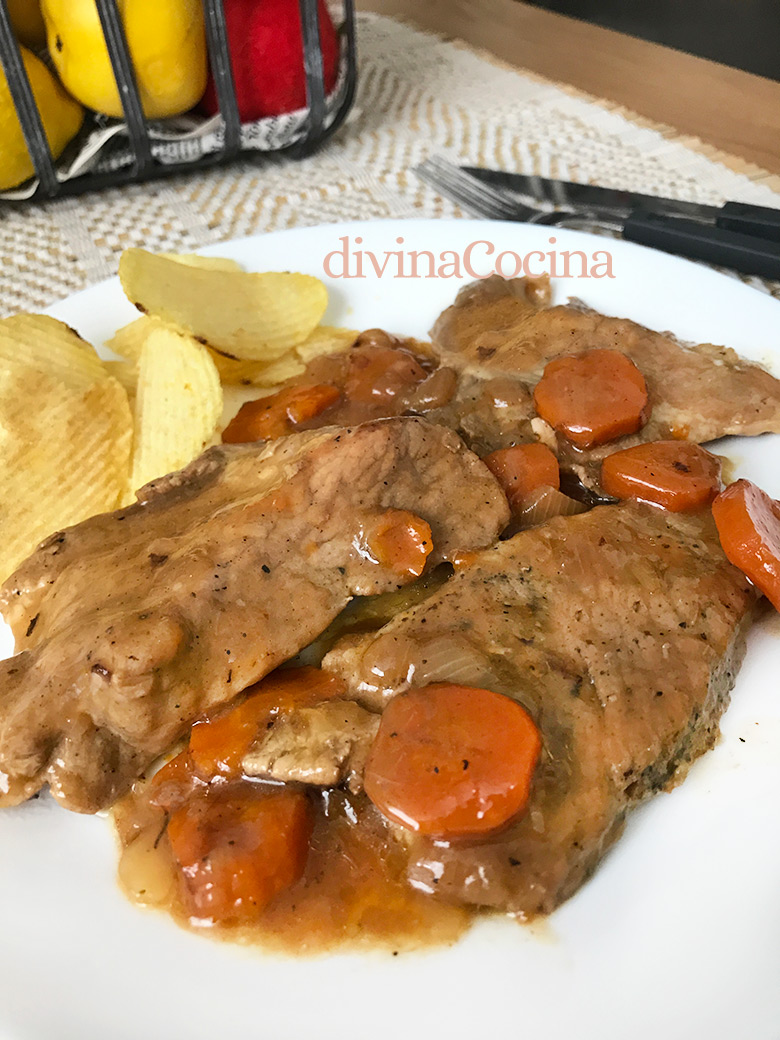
point(27, 20)
point(167, 42)
point(61, 115)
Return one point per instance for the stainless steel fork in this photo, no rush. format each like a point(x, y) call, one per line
point(484, 201)
point(692, 239)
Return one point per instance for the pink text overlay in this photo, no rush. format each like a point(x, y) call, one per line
point(479, 259)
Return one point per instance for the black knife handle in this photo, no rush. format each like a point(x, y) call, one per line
point(750, 220)
point(704, 242)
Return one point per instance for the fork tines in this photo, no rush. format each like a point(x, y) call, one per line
point(469, 192)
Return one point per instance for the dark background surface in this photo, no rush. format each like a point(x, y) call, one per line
point(742, 33)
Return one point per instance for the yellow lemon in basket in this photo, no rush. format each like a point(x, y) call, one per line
point(167, 42)
point(61, 115)
point(27, 20)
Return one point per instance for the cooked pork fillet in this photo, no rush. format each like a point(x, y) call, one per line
point(132, 624)
point(499, 327)
point(491, 347)
point(620, 631)
point(322, 746)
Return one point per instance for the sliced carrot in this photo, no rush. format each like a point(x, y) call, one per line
point(378, 374)
point(523, 469)
point(237, 848)
point(678, 475)
point(401, 541)
point(452, 760)
point(280, 413)
point(218, 745)
point(593, 397)
point(748, 523)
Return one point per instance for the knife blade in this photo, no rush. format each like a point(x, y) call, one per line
point(759, 221)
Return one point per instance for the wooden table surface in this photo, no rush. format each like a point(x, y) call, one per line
point(735, 111)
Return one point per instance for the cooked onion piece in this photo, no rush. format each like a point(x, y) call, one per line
point(450, 658)
point(544, 504)
point(146, 871)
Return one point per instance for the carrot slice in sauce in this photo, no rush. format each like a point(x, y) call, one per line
point(452, 761)
point(678, 475)
point(592, 398)
point(237, 848)
point(218, 745)
point(523, 469)
point(279, 414)
point(399, 540)
point(748, 523)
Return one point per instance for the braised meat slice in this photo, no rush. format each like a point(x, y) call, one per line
point(321, 746)
point(620, 631)
point(499, 327)
point(489, 351)
point(132, 624)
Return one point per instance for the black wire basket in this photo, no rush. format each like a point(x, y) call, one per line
point(144, 155)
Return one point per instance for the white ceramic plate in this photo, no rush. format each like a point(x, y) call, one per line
point(678, 934)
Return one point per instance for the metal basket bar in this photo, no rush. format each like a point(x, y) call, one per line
point(349, 30)
point(222, 70)
point(127, 85)
point(144, 165)
point(24, 101)
point(313, 62)
point(317, 132)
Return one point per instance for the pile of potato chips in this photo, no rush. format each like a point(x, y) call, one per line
point(79, 435)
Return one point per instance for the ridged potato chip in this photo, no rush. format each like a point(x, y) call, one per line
point(177, 407)
point(206, 263)
point(43, 344)
point(253, 317)
point(126, 374)
point(257, 373)
point(65, 456)
point(128, 341)
point(325, 339)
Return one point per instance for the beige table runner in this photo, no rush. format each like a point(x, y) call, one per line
point(417, 96)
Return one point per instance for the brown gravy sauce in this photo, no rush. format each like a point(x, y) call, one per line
point(379, 376)
point(353, 893)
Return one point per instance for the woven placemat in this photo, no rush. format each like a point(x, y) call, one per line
point(418, 95)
